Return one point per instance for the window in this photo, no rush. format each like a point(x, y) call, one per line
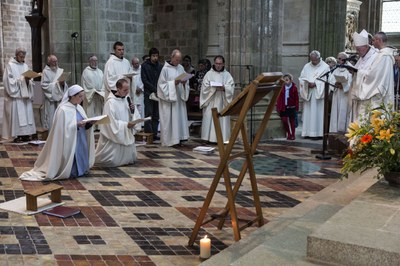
point(390, 16)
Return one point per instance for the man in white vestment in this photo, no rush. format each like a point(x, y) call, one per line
point(116, 68)
point(92, 83)
point(116, 145)
point(173, 95)
point(53, 89)
point(341, 78)
point(216, 92)
point(373, 82)
point(18, 120)
point(138, 98)
point(312, 92)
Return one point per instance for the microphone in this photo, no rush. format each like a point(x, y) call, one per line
point(130, 103)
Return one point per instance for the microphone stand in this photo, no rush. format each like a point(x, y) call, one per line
point(397, 95)
point(324, 155)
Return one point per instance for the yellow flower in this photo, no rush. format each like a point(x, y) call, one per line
point(392, 151)
point(385, 135)
point(353, 128)
point(377, 123)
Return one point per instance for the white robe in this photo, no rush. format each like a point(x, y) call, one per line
point(57, 156)
point(172, 105)
point(211, 98)
point(18, 117)
point(53, 93)
point(115, 69)
point(92, 83)
point(116, 145)
point(138, 100)
point(377, 84)
point(339, 110)
point(313, 99)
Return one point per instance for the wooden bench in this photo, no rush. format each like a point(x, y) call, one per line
point(32, 194)
point(140, 135)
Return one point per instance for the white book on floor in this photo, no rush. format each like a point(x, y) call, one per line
point(204, 149)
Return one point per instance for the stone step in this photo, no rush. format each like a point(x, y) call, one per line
point(283, 241)
point(365, 232)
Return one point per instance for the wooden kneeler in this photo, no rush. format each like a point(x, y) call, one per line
point(33, 194)
point(253, 93)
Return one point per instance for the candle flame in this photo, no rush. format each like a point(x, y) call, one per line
point(205, 237)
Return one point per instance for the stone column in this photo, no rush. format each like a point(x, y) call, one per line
point(213, 46)
point(352, 15)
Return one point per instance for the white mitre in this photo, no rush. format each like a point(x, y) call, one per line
point(360, 39)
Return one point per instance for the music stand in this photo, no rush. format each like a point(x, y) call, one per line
point(253, 93)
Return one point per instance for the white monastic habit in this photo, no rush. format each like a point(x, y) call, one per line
point(115, 69)
point(313, 99)
point(340, 101)
point(18, 117)
point(116, 145)
point(210, 98)
point(172, 105)
point(138, 100)
point(56, 159)
point(92, 83)
point(53, 93)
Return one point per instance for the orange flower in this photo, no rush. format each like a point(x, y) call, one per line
point(367, 138)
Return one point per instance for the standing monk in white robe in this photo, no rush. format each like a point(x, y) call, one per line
point(116, 144)
point(92, 83)
point(342, 78)
point(139, 90)
point(173, 95)
point(52, 88)
point(115, 69)
point(69, 148)
point(18, 120)
point(216, 97)
point(373, 82)
point(312, 92)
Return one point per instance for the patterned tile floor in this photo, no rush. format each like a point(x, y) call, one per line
point(144, 214)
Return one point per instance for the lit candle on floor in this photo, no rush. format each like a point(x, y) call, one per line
point(205, 248)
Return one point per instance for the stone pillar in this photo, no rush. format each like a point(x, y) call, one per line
point(213, 46)
point(36, 20)
point(327, 29)
point(352, 16)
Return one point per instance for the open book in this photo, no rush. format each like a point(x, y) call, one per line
point(184, 76)
point(341, 79)
point(31, 74)
point(101, 119)
point(141, 120)
point(216, 84)
point(204, 149)
point(129, 75)
point(64, 76)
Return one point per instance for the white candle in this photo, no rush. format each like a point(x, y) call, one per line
point(205, 248)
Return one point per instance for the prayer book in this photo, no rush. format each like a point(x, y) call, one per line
point(141, 120)
point(99, 120)
point(184, 76)
point(31, 74)
point(129, 75)
point(64, 76)
point(341, 79)
point(216, 84)
point(204, 149)
point(62, 211)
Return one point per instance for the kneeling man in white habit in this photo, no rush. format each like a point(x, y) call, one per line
point(116, 144)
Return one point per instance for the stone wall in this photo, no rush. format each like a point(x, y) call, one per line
point(99, 24)
point(171, 24)
point(14, 30)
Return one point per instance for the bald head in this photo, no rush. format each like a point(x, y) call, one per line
point(176, 57)
point(52, 62)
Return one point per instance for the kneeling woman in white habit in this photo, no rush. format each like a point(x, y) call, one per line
point(69, 149)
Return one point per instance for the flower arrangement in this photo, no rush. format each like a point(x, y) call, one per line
point(374, 142)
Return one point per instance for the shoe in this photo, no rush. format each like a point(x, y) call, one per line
point(18, 140)
point(156, 138)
